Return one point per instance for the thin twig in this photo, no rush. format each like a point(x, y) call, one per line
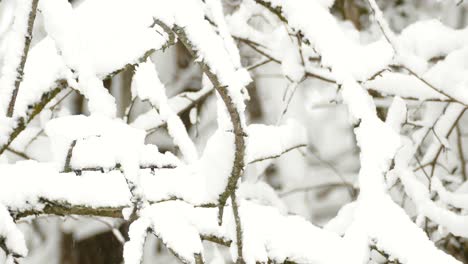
point(19, 153)
point(252, 67)
point(460, 152)
point(237, 220)
point(314, 187)
point(278, 155)
point(351, 191)
point(61, 99)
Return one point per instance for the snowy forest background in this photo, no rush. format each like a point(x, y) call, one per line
point(233, 131)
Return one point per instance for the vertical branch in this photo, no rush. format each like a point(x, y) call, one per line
point(22, 62)
point(239, 239)
point(67, 167)
point(460, 152)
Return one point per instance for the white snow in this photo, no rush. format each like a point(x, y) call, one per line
point(99, 161)
point(14, 52)
point(14, 239)
point(147, 86)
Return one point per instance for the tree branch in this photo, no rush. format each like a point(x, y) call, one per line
point(24, 56)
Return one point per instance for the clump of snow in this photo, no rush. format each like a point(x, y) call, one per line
point(13, 238)
point(147, 86)
point(97, 138)
point(263, 140)
point(428, 39)
point(37, 78)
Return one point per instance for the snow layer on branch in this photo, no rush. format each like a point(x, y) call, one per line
point(95, 47)
point(239, 26)
point(99, 139)
point(409, 244)
point(292, 240)
point(338, 52)
point(441, 129)
point(42, 180)
point(267, 233)
point(418, 192)
point(216, 10)
point(430, 38)
point(397, 113)
point(263, 140)
point(6, 127)
point(103, 45)
point(210, 47)
point(147, 86)
point(39, 79)
point(133, 249)
point(375, 210)
point(177, 229)
point(15, 40)
point(406, 86)
point(13, 238)
point(102, 143)
point(261, 193)
point(450, 74)
point(456, 199)
point(213, 170)
point(340, 223)
point(178, 103)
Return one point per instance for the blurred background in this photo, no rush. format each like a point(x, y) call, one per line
point(314, 182)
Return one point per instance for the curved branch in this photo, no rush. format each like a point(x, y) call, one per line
point(238, 130)
point(235, 116)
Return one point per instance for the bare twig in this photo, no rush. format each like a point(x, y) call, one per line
point(315, 187)
point(61, 99)
point(19, 153)
point(67, 167)
point(351, 190)
point(278, 155)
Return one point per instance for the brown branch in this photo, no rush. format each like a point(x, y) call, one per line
point(66, 167)
point(24, 56)
point(439, 151)
point(19, 153)
point(22, 122)
point(239, 237)
point(460, 152)
point(271, 58)
point(235, 116)
point(63, 208)
point(238, 130)
point(433, 87)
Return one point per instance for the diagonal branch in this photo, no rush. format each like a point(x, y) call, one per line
point(20, 68)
